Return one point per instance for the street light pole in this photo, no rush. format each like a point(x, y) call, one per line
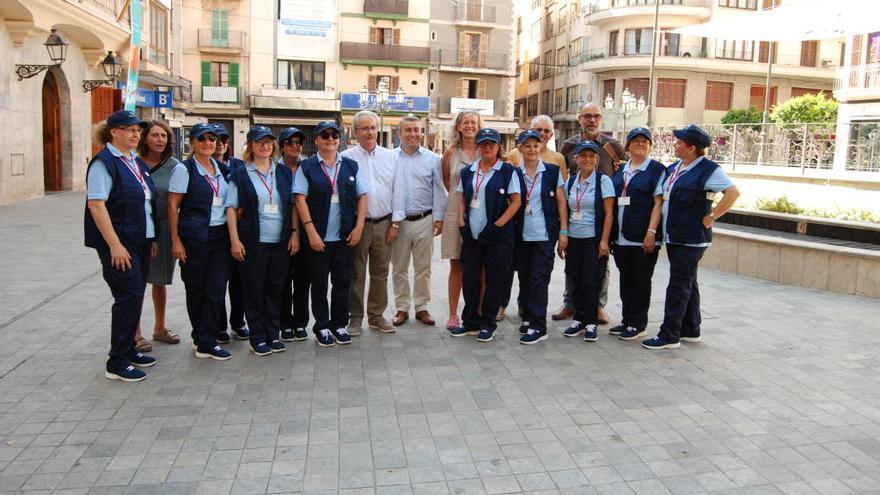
point(627, 107)
point(381, 100)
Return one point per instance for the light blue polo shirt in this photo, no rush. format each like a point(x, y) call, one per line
point(100, 183)
point(630, 171)
point(270, 223)
point(477, 219)
point(585, 228)
point(334, 219)
point(718, 181)
point(534, 226)
point(180, 183)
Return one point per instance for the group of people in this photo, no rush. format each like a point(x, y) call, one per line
point(277, 230)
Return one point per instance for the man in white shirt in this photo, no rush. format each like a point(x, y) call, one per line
point(379, 166)
point(419, 181)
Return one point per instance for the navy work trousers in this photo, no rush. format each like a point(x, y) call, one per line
point(681, 317)
point(236, 298)
point(534, 260)
point(586, 270)
point(636, 270)
point(205, 275)
point(494, 259)
point(262, 277)
point(336, 262)
point(295, 298)
point(128, 289)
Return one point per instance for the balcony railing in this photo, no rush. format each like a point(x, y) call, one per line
point(366, 51)
point(230, 40)
point(614, 4)
point(220, 94)
point(394, 7)
point(859, 77)
point(475, 12)
point(106, 9)
point(498, 107)
point(474, 60)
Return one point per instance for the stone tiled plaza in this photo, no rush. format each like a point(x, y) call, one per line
point(783, 396)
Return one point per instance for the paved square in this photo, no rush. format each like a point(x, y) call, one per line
point(782, 397)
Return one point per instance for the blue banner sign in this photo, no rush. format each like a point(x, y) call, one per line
point(352, 101)
point(148, 98)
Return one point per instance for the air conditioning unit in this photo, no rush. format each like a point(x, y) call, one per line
point(827, 62)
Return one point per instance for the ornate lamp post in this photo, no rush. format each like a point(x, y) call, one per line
point(112, 69)
point(381, 100)
point(628, 107)
point(57, 48)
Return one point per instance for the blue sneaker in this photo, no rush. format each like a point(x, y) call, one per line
point(591, 333)
point(277, 346)
point(486, 335)
point(215, 352)
point(324, 338)
point(127, 374)
point(300, 334)
point(461, 331)
point(342, 336)
point(141, 360)
point(241, 333)
point(524, 328)
point(658, 343)
point(631, 333)
point(261, 349)
point(533, 336)
point(224, 338)
point(616, 329)
point(288, 335)
point(574, 330)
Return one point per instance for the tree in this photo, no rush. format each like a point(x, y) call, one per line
point(742, 116)
point(809, 108)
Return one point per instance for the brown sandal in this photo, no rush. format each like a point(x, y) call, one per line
point(141, 345)
point(166, 336)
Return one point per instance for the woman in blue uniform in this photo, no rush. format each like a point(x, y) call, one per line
point(261, 236)
point(636, 244)
point(228, 163)
point(490, 199)
point(544, 221)
point(688, 193)
point(295, 299)
point(200, 240)
point(119, 223)
point(590, 196)
point(331, 202)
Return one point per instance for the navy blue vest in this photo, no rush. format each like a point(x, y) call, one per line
point(194, 218)
point(496, 204)
point(637, 216)
point(598, 205)
point(249, 223)
point(318, 199)
point(688, 205)
point(549, 179)
point(125, 204)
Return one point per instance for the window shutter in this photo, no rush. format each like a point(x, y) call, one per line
point(373, 82)
point(375, 33)
point(206, 73)
point(393, 83)
point(233, 74)
point(481, 88)
point(484, 49)
point(395, 37)
point(462, 48)
point(462, 87)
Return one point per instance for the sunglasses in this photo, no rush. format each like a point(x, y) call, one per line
point(589, 116)
point(329, 135)
point(292, 142)
point(223, 139)
point(265, 142)
point(207, 137)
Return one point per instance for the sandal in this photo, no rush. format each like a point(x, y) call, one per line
point(166, 336)
point(141, 345)
point(453, 323)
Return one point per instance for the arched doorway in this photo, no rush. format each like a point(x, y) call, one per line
point(52, 173)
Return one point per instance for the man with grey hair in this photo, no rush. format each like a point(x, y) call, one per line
point(543, 125)
point(419, 182)
point(379, 166)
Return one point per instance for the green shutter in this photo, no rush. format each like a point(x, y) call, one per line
point(206, 73)
point(233, 74)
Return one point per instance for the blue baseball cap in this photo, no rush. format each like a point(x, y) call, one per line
point(586, 146)
point(220, 130)
point(258, 132)
point(202, 128)
point(289, 132)
point(640, 131)
point(326, 124)
point(487, 134)
point(527, 134)
point(124, 118)
point(694, 135)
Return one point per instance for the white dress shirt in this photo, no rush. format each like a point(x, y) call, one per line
point(420, 182)
point(379, 167)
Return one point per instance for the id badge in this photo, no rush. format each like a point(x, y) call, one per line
point(577, 215)
point(334, 198)
point(475, 204)
point(147, 194)
point(666, 196)
point(218, 201)
point(528, 209)
point(623, 201)
point(710, 195)
point(270, 209)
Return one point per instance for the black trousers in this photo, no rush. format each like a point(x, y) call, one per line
point(636, 270)
point(336, 262)
point(681, 316)
point(534, 261)
point(128, 289)
point(205, 275)
point(585, 269)
point(508, 280)
point(494, 259)
point(295, 297)
point(262, 277)
point(236, 298)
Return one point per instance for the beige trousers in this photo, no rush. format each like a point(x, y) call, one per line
point(416, 241)
point(372, 251)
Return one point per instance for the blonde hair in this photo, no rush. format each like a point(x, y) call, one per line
point(101, 133)
point(455, 135)
point(248, 155)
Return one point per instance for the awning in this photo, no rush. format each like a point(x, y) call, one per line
point(289, 121)
point(158, 79)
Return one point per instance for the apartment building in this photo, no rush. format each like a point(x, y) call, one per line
point(472, 65)
point(858, 119)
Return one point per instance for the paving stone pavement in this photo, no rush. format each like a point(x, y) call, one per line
point(782, 397)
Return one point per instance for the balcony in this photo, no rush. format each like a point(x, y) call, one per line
point(108, 10)
point(606, 11)
point(221, 41)
point(280, 97)
point(416, 57)
point(858, 83)
point(484, 106)
point(220, 94)
point(386, 9)
point(475, 14)
point(490, 62)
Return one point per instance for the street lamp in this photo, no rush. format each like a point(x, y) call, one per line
point(112, 69)
point(57, 48)
point(381, 100)
point(627, 107)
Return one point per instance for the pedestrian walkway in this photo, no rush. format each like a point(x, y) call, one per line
point(782, 397)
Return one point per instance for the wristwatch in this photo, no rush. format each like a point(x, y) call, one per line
point(395, 225)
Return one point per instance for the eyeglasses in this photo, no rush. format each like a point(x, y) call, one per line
point(264, 142)
point(329, 135)
point(292, 142)
point(589, 116)
point(207, 137)
point(133, 129)
point(543, 131)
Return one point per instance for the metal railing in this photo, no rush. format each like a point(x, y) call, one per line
point(614, 4)
point(491, 60)
point(233, 40)
point(367, 51)
point(863, 153)
point(105, 9)
point(444, 105)
point(397, 7)
point(865, 76)
point(220, 94)
point(475, 12)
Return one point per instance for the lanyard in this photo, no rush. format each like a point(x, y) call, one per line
point(479, 180)
point(214, 188)
point(579, 197)
point(627, 181)
point(529, 193)
point(675, 175)
point(135, 169)
point(270, 185)
point(332, 180)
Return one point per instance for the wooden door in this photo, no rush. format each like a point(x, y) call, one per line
point(51, 134)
